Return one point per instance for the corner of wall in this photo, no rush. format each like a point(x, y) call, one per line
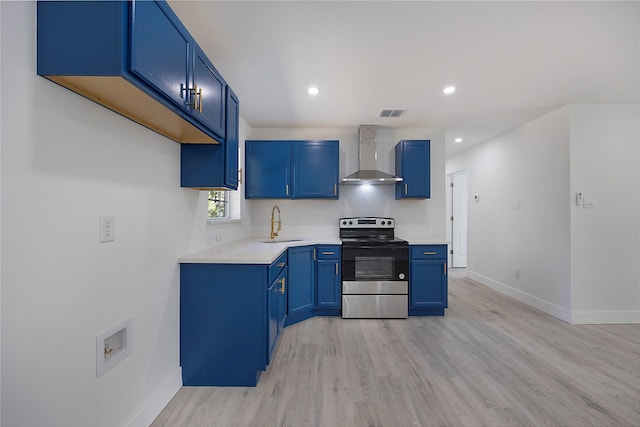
point(157, 403)
point(519, 228)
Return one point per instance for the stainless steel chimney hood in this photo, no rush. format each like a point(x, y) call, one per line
point(367, 172)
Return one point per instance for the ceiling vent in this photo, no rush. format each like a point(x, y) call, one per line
point(392, 113)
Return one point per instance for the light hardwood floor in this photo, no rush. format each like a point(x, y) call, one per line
point(491, 361)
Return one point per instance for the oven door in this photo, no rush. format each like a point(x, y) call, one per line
point(375, 263)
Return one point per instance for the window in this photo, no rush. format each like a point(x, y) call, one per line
point(218, 204)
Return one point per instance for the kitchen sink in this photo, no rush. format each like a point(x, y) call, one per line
point(281, 240)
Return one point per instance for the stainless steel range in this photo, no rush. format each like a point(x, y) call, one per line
point(375, 269)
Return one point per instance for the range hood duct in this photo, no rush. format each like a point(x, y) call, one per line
point(367, 172)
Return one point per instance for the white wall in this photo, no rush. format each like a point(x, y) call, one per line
point(320, 217)
point(527, 166)
point(0, 226)
point(578, 264)
point(605, 240)
point(65, 162)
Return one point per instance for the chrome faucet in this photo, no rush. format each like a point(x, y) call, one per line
point(274, 234)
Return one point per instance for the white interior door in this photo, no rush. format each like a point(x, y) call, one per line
point(459, 219)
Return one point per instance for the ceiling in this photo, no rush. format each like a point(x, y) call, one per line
point(510, 61)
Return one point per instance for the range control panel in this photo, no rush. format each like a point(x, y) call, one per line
point(366, 222)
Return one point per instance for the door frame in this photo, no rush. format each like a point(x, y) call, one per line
point(451, 190)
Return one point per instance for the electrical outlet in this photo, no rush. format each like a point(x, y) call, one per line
point(107, 228)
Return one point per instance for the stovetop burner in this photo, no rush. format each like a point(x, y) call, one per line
point(369, 231)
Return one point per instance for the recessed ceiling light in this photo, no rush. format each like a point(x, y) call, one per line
point(449, 90)
point(457, 140)
point(313, 90)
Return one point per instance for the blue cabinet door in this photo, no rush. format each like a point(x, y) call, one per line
point(140, 59)
point(428, 284)
point(328, 283)
point(315, 169)
point(232, 135)
point(268, 169)
point(277, 307)
point(208, 96)
point(213, 166)
point(223, 326)
point(82, 38)
point(413, 165)
point(301, 288)
point(274, 310)
point(160, 50)
point(328, 277)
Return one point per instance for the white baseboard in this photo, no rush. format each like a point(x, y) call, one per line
point(156, 403)
point(573, 317)
point(604, 317)
point(549, 308)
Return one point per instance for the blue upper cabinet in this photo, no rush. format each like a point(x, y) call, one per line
point(214, 166)
point(137, 59)
point(208, 92)
point(413, 165)
point(231, 141)
point(315, 169)
point(160, 48)
point(267, 169)
point(292, 169)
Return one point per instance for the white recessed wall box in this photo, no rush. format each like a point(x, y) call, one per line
point(112, 346)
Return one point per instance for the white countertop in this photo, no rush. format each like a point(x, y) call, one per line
point(256, 251)
point(251, 251)
point(422, 240)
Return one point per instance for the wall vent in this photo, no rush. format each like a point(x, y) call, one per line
point(392, 113)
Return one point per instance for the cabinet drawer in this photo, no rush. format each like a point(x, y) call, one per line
point(328, 252)
point(277, 266)
point(428, 251)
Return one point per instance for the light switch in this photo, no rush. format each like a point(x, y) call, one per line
point(589, 201)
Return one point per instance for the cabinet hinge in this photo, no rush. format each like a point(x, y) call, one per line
point(452, 185)
point(451, 218)
point(451, 251)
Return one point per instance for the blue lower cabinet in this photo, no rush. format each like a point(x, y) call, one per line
point(277, 311)
point(428, 286)
point(328, 280)
point(223, 324)
point(301, 287)
point(232, 315)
